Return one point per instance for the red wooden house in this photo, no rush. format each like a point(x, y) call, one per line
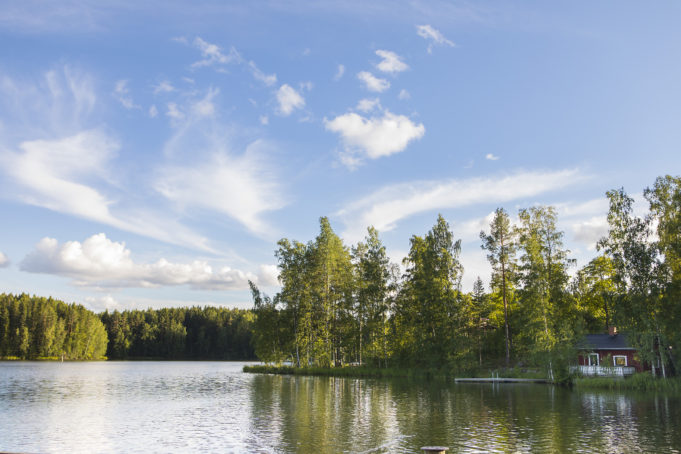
point(608, 354)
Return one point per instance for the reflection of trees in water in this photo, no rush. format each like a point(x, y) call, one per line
point(326, 414)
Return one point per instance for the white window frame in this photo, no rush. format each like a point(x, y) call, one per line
point(614, 360)
point(598, 359)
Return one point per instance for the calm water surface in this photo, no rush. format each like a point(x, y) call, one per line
point(214, 407)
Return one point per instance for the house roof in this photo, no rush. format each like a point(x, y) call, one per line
point(605, 342)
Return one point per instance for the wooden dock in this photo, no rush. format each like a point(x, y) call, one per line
point(500, 380)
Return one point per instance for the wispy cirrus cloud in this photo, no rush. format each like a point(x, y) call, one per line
point(213, 55)
point(434, 36)
point(385, 208)
point(101, 262)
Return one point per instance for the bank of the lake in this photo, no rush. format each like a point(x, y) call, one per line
point(638, 382)
point(376, 372)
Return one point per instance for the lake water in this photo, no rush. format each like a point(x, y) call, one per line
point(214, 407)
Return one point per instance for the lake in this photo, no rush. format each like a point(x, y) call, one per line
point(214, 407)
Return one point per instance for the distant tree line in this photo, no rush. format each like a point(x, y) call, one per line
point(40, 328)
point(214, 333)
point(349, 305)
point(32, 327)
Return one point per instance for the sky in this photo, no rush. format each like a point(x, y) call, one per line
point(153, 153)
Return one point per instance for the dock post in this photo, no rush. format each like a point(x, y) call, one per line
point(435, 449)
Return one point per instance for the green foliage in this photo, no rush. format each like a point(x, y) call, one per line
point(34, 327)
point(342, 306)
point(214, 333)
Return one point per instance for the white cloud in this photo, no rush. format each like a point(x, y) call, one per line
point(386, 207)
point(373, 83)
point(591, 230)
point(267, 79)
point(374, 137)
point(339, 73)
point(491, 157)
point(4, 261)
point(205, 107)
point(432, 35)
point(241, 187)
point(100, 262)
point(122, 93)
point(264, 120)
point(212, 54)
point(391, 62)
point(289, 100)
point(153, 111)
point(174, 112)
point(163, 87)
point(404, 94)
point(367, 105)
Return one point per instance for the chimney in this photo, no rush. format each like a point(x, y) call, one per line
point(612, 331)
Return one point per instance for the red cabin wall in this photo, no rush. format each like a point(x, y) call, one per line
point(603, 354)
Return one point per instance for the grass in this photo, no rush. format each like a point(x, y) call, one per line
point(643, 381)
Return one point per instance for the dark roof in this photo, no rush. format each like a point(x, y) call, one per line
point(605, 342)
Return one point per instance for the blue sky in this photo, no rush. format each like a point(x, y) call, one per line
point(152, 153)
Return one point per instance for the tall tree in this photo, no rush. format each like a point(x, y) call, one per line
point(637, 272)
point(372, 292)
point(501, 247)
point(543, 274)
point(430, 294)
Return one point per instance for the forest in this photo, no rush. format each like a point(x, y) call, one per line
point(44, 328)
point(341, 305)
point(208, 333)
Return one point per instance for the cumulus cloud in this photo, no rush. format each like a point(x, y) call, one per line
point(153, 111)
point(373, 83)
point(4, 261)
point(374, 137)
point(367, 105)
point(391, 62)
point(289, 100)
point(491, 157)
point(404, 94)
point(339, 72)
point(100, 262)
point(386, 207)
point(433, 36)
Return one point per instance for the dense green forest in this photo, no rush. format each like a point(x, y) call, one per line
point(33, 327)
point(215, 333)
point(344, 305)
point(42, 328)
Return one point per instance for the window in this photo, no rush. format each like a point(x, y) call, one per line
point(619, 360)
point(593, 359)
